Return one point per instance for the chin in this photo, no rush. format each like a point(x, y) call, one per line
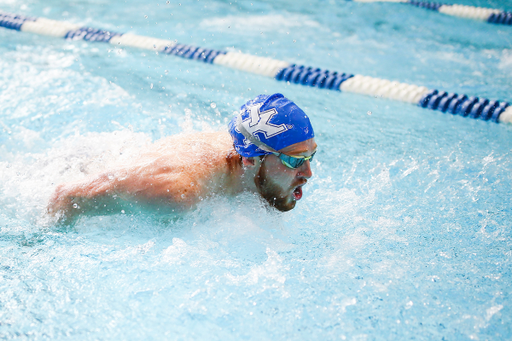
point(282, 204)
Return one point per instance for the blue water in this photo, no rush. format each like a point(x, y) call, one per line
point(404, 232)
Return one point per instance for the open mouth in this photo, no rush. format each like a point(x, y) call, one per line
point(297, 193)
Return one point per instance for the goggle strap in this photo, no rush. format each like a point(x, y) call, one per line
point(253, 139)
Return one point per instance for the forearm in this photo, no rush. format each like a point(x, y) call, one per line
point(75, 198)
point(119, 190)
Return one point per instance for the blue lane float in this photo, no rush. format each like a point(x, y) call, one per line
point(13, 21)
point(491, 15)
point(463, 105)
point(315, 77)
point(494, 16)
point(455, 104)
point(192, 52)
point(91, 34)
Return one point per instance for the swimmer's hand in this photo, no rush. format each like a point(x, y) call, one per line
point(63, 205)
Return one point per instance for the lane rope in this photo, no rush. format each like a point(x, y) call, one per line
point(494, 16)
point(456, 104)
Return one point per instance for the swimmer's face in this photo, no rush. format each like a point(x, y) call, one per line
point(281, 186)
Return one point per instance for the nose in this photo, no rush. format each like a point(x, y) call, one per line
point(305, 170)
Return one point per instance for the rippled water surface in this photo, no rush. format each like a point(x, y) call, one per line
point(404, 232)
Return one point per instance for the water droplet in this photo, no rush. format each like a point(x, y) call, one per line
point(369, 113)
point(294, 40)
point(146, 16)
point(122, 211)
point(213, 105)
point(183, 196)
point(75, 205)
point(151, 86)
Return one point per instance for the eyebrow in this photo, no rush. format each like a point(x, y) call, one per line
point(296, 153)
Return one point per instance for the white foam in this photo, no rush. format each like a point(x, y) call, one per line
point(28, 180)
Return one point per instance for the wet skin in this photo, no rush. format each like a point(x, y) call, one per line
point(180, 171)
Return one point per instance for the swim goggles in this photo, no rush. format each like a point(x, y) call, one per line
point(289, 161)
point(293, 162)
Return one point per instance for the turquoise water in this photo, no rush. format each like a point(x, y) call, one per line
point(404, 232)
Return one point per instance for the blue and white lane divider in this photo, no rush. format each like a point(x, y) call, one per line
point(463, 105)
point(491, 15)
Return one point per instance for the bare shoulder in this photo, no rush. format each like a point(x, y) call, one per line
point(199, 142)
point(197, 150)
point(185, 165)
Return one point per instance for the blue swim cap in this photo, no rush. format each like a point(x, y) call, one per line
point(267, 124)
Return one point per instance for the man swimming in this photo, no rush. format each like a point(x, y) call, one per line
point(267, 151)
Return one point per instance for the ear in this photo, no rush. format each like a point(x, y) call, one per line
point(248, 161)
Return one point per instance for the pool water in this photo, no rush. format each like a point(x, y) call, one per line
point(404, 232)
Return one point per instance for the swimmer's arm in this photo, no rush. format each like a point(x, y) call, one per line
point(107, 192)
point(72, 199)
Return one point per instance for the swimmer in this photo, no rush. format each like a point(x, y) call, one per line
point(267, 150)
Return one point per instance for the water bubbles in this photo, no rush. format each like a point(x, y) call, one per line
point(167, 2)
point(213, 105)
point(183, 196)
point(146, 16)
point(151, 86)
point(75, 205)
point(122, 211)
point(369, 113)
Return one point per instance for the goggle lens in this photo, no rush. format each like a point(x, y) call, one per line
point(294, 161)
